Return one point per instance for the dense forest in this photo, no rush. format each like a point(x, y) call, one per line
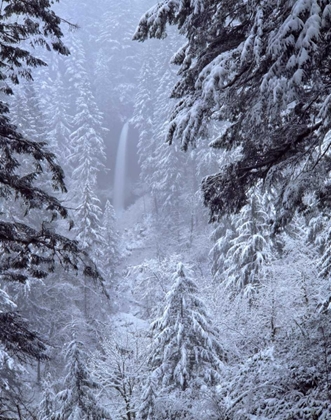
point(165, 213)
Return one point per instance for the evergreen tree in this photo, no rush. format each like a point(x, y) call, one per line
point(40, 25)
point(111, 255)
point(88, 231)
point(147, 409)
point(15, 339)
point(117, 62)
point(221, 236)
point(77, 401)
point(87, 160)
point(87, 142)
point(26, 112)
point(319, 234)
point(88, 153)
point(251, 247)
point(19, 111)
point(151, 282)
point(59, 119)
point(185, 354)
point(46, 409)
point(28, 252)
point(254, 64)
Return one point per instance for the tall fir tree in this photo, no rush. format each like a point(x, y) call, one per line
point(28, 251)
point(59, 118)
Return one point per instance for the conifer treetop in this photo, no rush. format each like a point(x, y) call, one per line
point(185, 352)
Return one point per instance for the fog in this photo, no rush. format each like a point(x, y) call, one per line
point(180, 269)
point(114, 65)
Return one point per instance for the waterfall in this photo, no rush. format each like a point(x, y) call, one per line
point(120, 171)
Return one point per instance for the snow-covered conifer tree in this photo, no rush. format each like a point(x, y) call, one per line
point(111, 255)
point(88, 229)
point(86, 137)
point(251, 246)
point(221, 236)
point(88, 120)
point(262, 66)
point(47, 403)
point(77, 400)
point(185, 355)
point(27, 113)
point(323, 240)
point(147, 409)
point(151, 282)
point(88, 155)
point(59, 119)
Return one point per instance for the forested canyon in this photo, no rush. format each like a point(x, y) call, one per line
point(165, 212)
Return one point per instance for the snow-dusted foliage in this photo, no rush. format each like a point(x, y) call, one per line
point(152, 281)
point(59, 119)
point(221, 237)
point(86, 138)
point(111, 255)
point(118, 61)
point(263, 67)
point(272, 333)
point(240, 332)
point(87, 158)
point(77, 400)
point(147, 409)
point(247, 247)
point(27, 114)
point(118, 367)
point(46, 408)
point(185, 355)
point(290, 382)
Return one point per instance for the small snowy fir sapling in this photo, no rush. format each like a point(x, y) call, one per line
point(77, 401)
point(251, 247)
point(147, 409)
point(47, 406)
point(111, 255)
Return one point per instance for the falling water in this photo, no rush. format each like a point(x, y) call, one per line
point(120, 171)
